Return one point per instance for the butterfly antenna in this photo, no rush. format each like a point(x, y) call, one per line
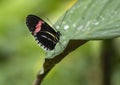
point(63, 19)
point(51, 23)
point(59, 27)
point(60, 23)
point(62, 46)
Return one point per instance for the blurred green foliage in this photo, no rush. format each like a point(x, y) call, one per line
point(21, 57)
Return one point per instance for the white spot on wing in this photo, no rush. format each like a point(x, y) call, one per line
point(41, 45)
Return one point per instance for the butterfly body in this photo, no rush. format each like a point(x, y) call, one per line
point(44, 34)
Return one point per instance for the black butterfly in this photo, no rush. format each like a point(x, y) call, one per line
point(44, 34)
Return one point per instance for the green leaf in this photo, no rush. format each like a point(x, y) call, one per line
point(89, 20)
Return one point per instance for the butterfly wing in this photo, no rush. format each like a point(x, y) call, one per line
point(43, 33)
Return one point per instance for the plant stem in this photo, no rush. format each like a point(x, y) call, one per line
point(108, 54)
point(50, 63)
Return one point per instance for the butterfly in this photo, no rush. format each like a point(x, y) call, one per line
point(43, 33)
